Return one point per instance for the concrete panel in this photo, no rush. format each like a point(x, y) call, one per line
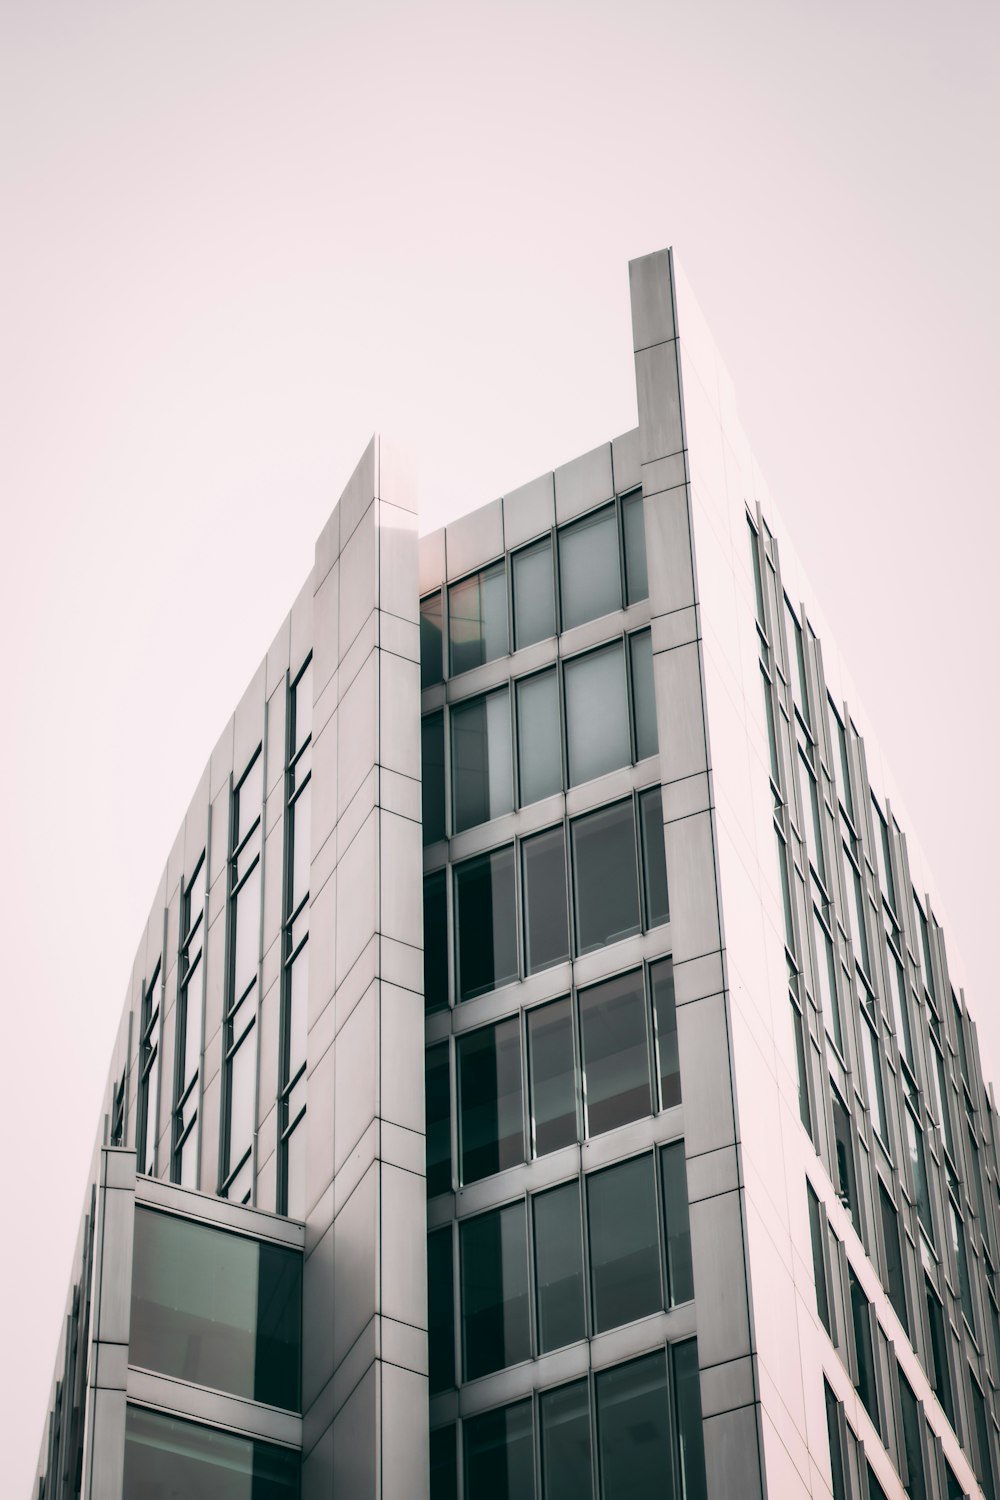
point(355, 1442)
point(659, 398)
point(583, 483)
point(626, 467)
point(529, 511)
point(474, 540)
point(652, 300)
point(405, 1443)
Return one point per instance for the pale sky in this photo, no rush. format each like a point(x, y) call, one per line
point(239, 237)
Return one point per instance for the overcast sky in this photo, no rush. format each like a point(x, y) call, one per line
point(239, 237)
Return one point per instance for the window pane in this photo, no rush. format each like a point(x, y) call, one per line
point(485, 915)
point(539, 745)
point(495, 1322)
point(432, 771)
point(654, 859)
point(565, 1422)
point(690, 1434)
point(912, 1447)
point(489, 1090)
point(643, 699)
point(152, 1096)
point(624, 1245)
point(444, 1464)
point(440, 1312)
point(615, 1056)
point(301, 852)
point(604, 877)
point(553, 1082)
point(546, 918)
point(634, 528)
point(559, 1267)
point(167, 1456)
point(861, 1315)
point(438, 1111)
point(435, 942)
point(477, 618)
point(431, 656)
point(665, 1020)
point(589, 576)
point(534, 594)
point(939, 1353)
point(633, 1430)
point(596, 713)
point(819, 1262)
point(482, 773)
point(499, 1454)
point(680, 1274)
point(836, 1450)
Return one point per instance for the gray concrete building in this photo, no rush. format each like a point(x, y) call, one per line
point(543, 1072)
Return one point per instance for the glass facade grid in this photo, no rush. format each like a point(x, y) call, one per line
point(189, 1023)
point(236, 1178)
point(291, 1183)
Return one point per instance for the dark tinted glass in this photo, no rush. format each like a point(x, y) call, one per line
point(624, 1245)
point(167, 1456)
point(477, 618)
point(552, 1076)
point(597, 732)
point(939, 1353)
point(432, 771)
point(615, 1052)
point(654, 859)
point(634, 529)
point(431, 656)
point(690, 1433)
point(565, 1422)
point(665, 1021)
point(539, 739)
point(559, 1266)
point(534, 594)
point(819, 1262)
point(499, 1454)
point(216, 1308)
point(495, 1310)
point(489, 1091)
point(440, 1311)
point(444, 1464)
point(673, 1175)
point(876, 1492)
point(861, 1315)
point(435, 941)
point(589, 573)
point(482, 783)
point(836, 1450)
point(437, 1102)
point(893, 1254)
point(912, 1446)
point(633, 1430)
point(643, 699)
point(984, 1464)
point(485, 916)
point(606, 891)
point(546, 917)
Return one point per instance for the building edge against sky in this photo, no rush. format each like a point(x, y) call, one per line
point(840, 1151)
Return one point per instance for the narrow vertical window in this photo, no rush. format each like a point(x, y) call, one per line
point(494, 1279)
point(819, 1261)
point(634, 532)
point(690, 1433)
point(240, 1096)
point(481, 760)
point(894, 1282)
point(918, 1169)
point(485, 923)
point(546, 909)
point(597, 730)
point(491, 1126)
point(673, 1178)
point(477, 618)
point(984, 1458)
point(534, 594)
point(939, 1352)
point(844, 1146)
point(654, 858)
point(836, 1444)
point(437, 1104)
point(295, 948)
point(873, 1081)
point(440, 1311)
point(149, 1076)
point(539, 737)
point(552, 1077)
point(665, 1023)
point(589, 570)
point(912, 1444)
point(432, 798)
point(431, 655)
point(640, 648)
point(436, 942)
point(958, 1246)
point(189, 1011)
point(615, 1052)
point(559, 1267)
point(605, 883)
point(861, 1317)
point(118, 1111)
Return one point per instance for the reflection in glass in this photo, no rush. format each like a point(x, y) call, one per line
point(477, 618)
point(495, 1311)
point(559, 1266)
point(673, 1176)
point(167, 1456)
point(633, 1429)
point(624, 1244)
point(654, 858)
point(665, 1021)
point(546, 918)
point(589, 574)
point(539, 747)
point(565, 1422)
point(440, 1311)
point(690, 1433)
point(432, 773)
point(489, 1095)
point(437, 1105)
point(605, 879)
point(499, 1454)
point(435, 942)
point(481, 765)
point(486, 922)
point(615, 1052)
point(430, 641)
point(643, 698)
point(634, 529)
point(553, 1077)
point(597, 733)
point(534, 594)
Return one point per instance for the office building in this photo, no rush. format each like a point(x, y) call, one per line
point(543, 1071)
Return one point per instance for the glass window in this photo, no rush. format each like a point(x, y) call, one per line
point(432, 772)
point(876, 1492)
point(444, 1463)
point(481, 769)
point(559, 1267)
point(846, 1183)
point(819, 1261)
point(431, 655)
point(486, 922)
point(553, 1077)
point(634, 530)
point(939, 1352)
point(690, 1433)
point(665, 1021)
point(654, 858)
point(633, 1429)
point(873, 1081)
point(893, 1254)
point(499, 1454)
point(624, 1244)
point(643, 698)
point(861, 1317)
point(534, 594)
point(918, 1168)
point(216, 1308)
point(962, 1262)
point(437, 1104)
point(597, 733)
point(836, 1447)
point(605, 884)
point(565, 1422)
point(440, 1311)
point(912, 1444)
point(539, 738)
point(984, 1462)
point(435, 942)
point(489, 1095)
point(477, 618)
point(615, 1052)
point(589, 572)
point(826, 982)
point(673, 1176)
point(546, 916)
point(495, 1310)
point(167, 1456)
